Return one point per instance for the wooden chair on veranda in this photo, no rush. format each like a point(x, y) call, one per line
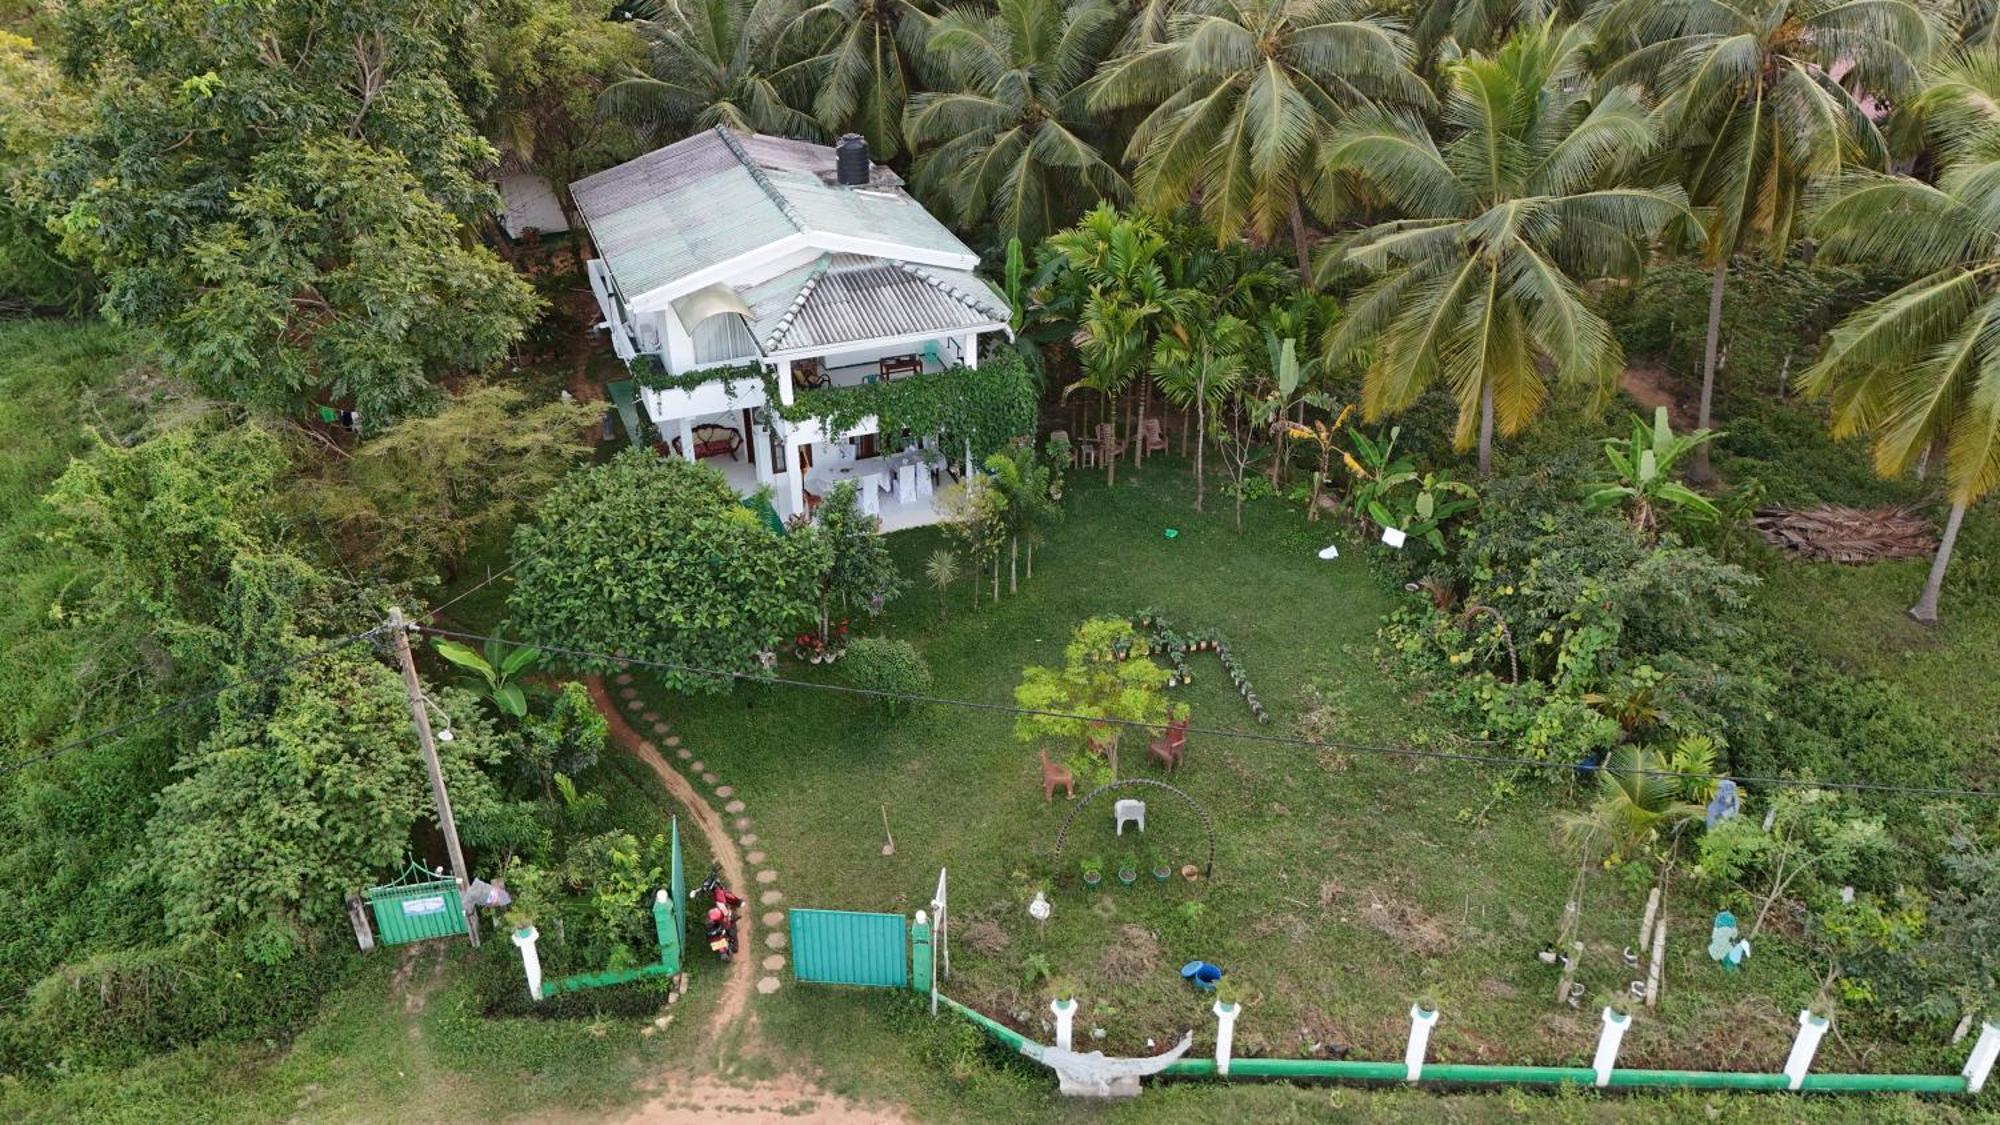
point(1150, 437)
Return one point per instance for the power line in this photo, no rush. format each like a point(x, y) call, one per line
point(1214, 732)
point(188, 701)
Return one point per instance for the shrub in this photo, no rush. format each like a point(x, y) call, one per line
point(879, 664)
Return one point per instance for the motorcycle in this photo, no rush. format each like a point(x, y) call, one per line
point(723, 904)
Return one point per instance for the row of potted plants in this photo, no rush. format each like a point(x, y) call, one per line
point(811, 648)
point(1092, 869)
point(1177, 645)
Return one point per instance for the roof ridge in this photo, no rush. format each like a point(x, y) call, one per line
point(784, 325)
point(948, 289)
point(770, 190)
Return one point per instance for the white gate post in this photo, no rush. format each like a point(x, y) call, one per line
point(1422, 1019)
point(1615, 1025)
point(1983, 1053)
point(531, 961)
point(1225, 1034)
point(1811, 1029)
point(1065, 1013)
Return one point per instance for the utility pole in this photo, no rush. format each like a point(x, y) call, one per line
point(400, 630)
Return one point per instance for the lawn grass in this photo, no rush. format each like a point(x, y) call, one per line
point(1345, 885)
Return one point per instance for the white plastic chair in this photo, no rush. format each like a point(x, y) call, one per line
point(1132, 811)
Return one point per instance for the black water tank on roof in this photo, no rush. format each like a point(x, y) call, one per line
point(851, 160)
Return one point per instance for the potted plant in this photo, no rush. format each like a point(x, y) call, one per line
point(1227, 995)
point(1093, 872)
point(1128, 871)
point(1162, 870)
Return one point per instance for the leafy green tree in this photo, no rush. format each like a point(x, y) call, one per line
point(280, 192)
point(1004, 137)
point(36, 112)
point(280, 812)
point(1106, 277)
point(427, 490)
point(718, 63)
point(976, 519)
point(1201, 364)
point(894, 667)
point(864, 53)
point(655, 558)
point(551, 61)
point(1642, 475)
point(1919, 370)
point(499, 667)
point(1024, 480)
point(1477, 283)
point(1762, 98)
point(1106, 681)
point(1643, 794)
point(564, 741)
point(1243, 94)
point(859, 575)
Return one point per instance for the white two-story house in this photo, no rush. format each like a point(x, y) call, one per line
point(812, 263)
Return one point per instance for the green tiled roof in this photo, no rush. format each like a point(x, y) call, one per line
point(719, 194)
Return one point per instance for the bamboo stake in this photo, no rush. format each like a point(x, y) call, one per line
point(1646, 926)
point(890, 847)
point(1655, 977)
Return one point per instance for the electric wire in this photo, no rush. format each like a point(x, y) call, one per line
point(1214, 732)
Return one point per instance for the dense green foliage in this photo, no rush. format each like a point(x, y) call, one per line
point(654, 558)
point(988, 406)
point(893, 667)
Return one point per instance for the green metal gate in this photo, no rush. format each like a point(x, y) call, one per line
point(845, 947)
point(417, 906)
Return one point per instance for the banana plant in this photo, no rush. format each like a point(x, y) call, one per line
point(1643, 481)
point(1421, 505)
point(498, 669)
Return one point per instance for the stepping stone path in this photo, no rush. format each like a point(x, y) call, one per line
point(709, 779)
point(697, 766)
point(628, 692)
point(725, 791)
point(776, 939)
point(748, 838)
point(652, 717)
point(775, 961)
point(659, 728)
point(767, 986)
point(624, 678)
point(774, 918)
point(734, 807)
point(767, 876)
point(742, 822)
point(754, 857)
point(673, 740)
point(683, 755)
point(771, 898)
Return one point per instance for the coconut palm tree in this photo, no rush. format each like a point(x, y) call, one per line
point(1920, 368)
point(1476, 284)
point(715, 62)
point(862, 55)
point(1242, 95)
point(1005, 137)
point(1480, 25)
point(1763, 97)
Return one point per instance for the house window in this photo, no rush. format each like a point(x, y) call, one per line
point(722, 338)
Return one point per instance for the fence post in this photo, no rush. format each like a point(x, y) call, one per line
point(666, 933)
point(1225, 1034)
point(357, 914)
point(1422, 1019)
point(531, 961)
point(1811, 1029)
point(1615, 1024)
point(1983, 1053)
point(1065, 1013)
point(920, 954)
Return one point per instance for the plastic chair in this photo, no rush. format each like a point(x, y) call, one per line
point(1129, 811)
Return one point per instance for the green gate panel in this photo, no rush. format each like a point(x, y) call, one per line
point(679, 886)
point(845, 947)
point(417, 911)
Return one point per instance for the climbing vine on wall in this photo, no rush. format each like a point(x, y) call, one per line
point(988, 406)
point(648, 373)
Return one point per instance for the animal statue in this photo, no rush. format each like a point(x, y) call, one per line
point(1169, 749)
point(1056, 774)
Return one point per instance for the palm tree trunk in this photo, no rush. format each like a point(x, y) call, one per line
point(1699, 472)
point(1200, 439)
point(1014, 566)
point(1926, 608)
point(1031, 560)
point(1486, 429)
point(1110, 439)
point(996, 577)
point(1299, 246)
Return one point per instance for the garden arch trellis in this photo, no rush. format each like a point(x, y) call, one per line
point(1201, 814)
